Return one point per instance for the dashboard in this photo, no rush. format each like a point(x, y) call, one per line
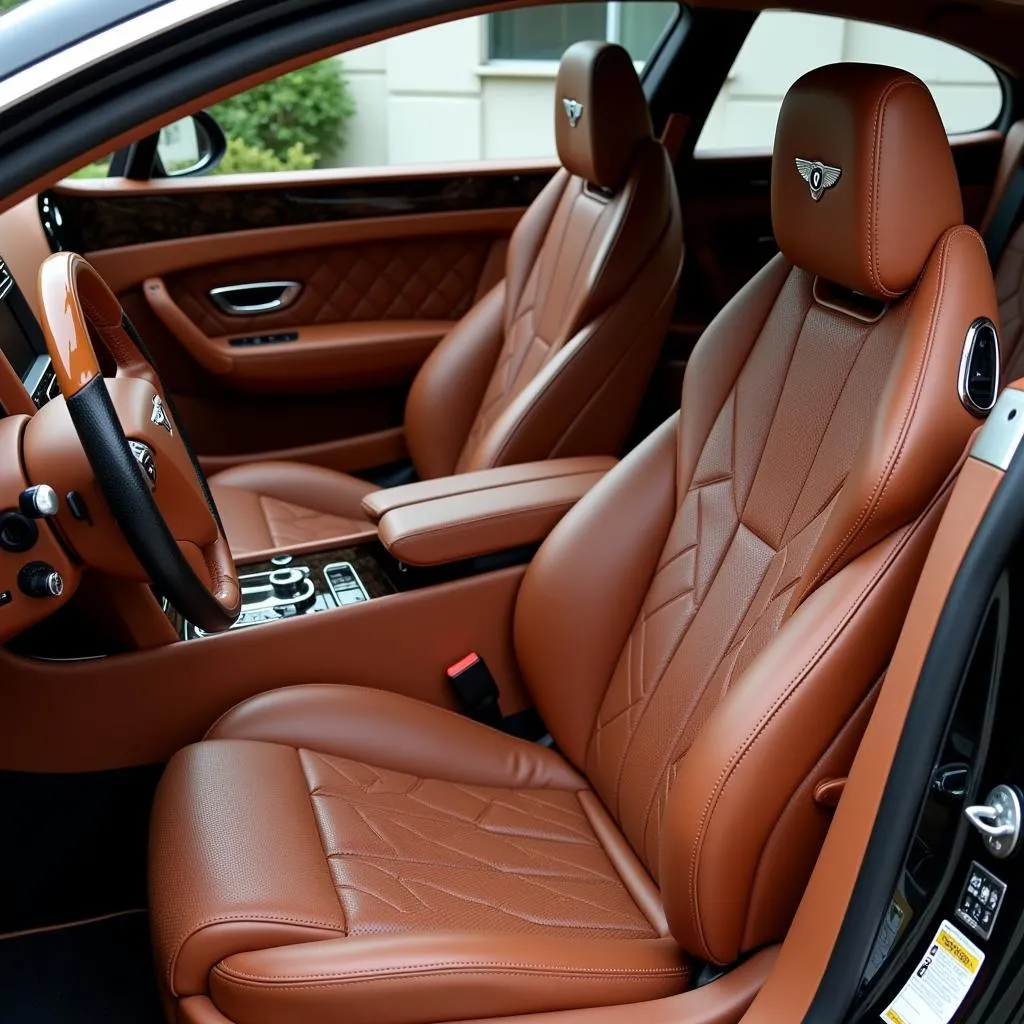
point(22, 343)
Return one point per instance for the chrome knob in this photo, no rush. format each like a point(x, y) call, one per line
point(38, 502)
point(287, 583)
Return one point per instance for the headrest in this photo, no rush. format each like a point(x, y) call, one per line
point(601, 113)
point(863, 180)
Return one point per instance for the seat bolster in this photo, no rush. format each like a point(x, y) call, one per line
point(235, 860)
point(422, 979)
point(325, 490)
point(392, 731)
point(266, 505)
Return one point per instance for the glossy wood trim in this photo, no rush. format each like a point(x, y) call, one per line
point(87, 220)
point(298, 180)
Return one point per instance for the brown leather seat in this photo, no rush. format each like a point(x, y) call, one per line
point(555, 359)
point(702, 633)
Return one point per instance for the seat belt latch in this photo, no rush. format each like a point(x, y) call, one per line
point(476, 689)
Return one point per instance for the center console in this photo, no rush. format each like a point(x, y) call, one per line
point(289, 586)
point(429, 533)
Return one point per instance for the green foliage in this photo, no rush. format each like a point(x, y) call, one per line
point(96, 170)
point(241, 158)
point(8, 5)
point(309, 108)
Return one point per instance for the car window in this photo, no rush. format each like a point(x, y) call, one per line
point(783, 45)
point(479, 88)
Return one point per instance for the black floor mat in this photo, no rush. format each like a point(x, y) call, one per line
point(97, 973)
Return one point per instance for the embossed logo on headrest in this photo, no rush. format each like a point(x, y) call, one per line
point(573, 110)
point(818, 176)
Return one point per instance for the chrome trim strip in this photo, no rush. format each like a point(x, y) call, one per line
point(36, 372)
point(32, 80)
point(289, 292)
point(1003, 432)
point(979, 325)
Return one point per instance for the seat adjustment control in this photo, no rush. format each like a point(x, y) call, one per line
point(998, 820)
point(39, 502)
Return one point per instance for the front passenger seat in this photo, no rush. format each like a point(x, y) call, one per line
point(702, 634)
point(551, 362)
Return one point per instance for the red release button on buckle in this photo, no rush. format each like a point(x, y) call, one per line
point(471, 659)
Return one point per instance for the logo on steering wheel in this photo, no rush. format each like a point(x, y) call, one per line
point(144, 457)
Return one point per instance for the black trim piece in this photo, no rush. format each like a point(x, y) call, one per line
point(127, 492)
point(937, 689)
point(97, 220)
point(38, 31)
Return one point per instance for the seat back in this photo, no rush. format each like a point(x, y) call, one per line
point(555, 359)
point(738, 583)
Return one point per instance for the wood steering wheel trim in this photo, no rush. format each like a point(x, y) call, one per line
point(203, 588)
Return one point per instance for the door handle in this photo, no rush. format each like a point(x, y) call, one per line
point(256, 297)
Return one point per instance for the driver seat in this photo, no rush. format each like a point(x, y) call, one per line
point(703, 635)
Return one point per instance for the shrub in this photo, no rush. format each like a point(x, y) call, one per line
point(309, 107)
point(96, 170)
point(241, 158)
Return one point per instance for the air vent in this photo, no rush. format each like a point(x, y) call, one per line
point(979, 368)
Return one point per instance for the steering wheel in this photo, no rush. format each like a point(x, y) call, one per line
point(142, 464)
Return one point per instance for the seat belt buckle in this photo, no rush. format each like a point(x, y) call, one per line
point(476, 689)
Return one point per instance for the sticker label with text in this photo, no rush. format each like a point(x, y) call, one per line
point(940, 981)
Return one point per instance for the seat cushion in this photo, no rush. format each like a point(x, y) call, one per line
point(304, 868)
point(266, 505)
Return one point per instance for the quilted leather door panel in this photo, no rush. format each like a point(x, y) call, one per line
point(380, 289)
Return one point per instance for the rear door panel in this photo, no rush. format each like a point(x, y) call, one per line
point(386, 263)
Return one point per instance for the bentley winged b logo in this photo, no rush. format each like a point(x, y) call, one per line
point(818, 176)
point(573, 110)
point(159, 415)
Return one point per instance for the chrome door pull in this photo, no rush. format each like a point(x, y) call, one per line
point(256, 297)
point(998, 820)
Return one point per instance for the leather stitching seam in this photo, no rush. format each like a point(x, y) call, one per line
point(878, 138)
point(458, 966)
point(759, 728)
point(874, 499)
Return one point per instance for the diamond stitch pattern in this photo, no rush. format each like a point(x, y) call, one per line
point(416, 279)
point(741, 544)
point(292, 524)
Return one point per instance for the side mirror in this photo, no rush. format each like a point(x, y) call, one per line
point(194, 145)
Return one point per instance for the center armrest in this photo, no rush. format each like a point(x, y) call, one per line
point(455, 518)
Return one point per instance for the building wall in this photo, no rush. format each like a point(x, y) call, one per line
point(431, 96)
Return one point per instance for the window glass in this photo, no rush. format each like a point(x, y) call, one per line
point(480, 88)
point(544, 33)
point(783, 45)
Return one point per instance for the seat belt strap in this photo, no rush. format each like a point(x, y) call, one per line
point(1005, 219)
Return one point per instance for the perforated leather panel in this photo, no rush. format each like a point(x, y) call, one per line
point(743, 537)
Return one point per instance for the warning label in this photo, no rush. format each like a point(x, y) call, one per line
point(940, 981)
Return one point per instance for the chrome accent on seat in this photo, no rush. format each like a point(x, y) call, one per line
point(1003, 431)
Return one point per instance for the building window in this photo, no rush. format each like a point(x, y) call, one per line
point(545, 33)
